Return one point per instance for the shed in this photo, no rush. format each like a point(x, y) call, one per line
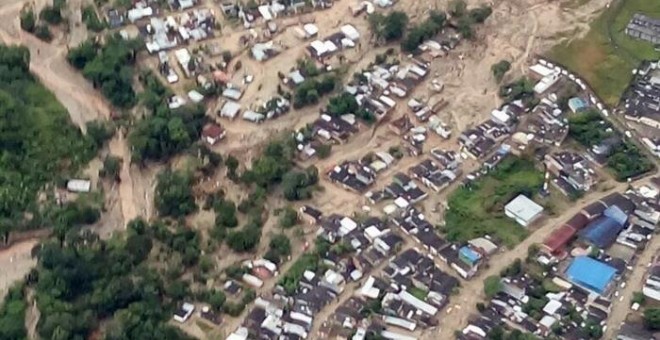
point(310, 30)
point(212, 133)
point(602, 232)
point(79, 185)
point(523, 210)
point(590, 274)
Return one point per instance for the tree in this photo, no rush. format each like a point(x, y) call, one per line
point(390, 27)
point(217, 300)
point(225, 214)
point(464, 27)
point(43, 33)
point(111, 167)
point(28, 20)
point(457, 8)
point(480, 14)
point(652, 318)
point(492, 286)
point(342, 104)
point(51, 15)
point(299, 185)
point(244, 240)
point(174, 194)
point(79, 56)
point(500, 69)
point(288, 218)
point(280, 247)
point(424, 31)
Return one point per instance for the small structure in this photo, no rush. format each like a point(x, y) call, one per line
point(644, 27)
point(230, 109)
point(523, 210)
point(590, 274)
point(212, 133)
point(79, 185)
point(184, 312)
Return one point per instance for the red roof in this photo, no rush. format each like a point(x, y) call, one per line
point(212, 130)
point(262, 273)
point(559, 238)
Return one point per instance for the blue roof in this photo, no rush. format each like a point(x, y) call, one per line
point(469, 254)
point(590, 274)
point(602, 232)
point(577, 103)
point(615, 213)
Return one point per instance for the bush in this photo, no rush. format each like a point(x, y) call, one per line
point(426, 30)
point(51, 15)
point(91, 20)
point(28, 20)
point(225, 214)
point(244, 240)
point(288, 218)
point(43, 33)
point(112, 167)
point(500, 69)
point(492, 286)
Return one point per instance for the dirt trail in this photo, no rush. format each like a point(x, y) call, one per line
point(15, 263)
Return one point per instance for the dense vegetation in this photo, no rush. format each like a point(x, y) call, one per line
point(477, 209)
point(12, 314)
point(174, 195)
point(109, 67)
point(388, 27)
point(298, 185)
point(84, 280)
point(625, 160)
point(165, 132)
point(92, 20)
point(38, 142)
point(424, 31)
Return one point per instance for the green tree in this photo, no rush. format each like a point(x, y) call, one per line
point(112, 167)
point(492, 286)
point(244, 240)
point(652, 318)
point(217, 300)
point(51, 15)
point(457, 8)
point(388, 27)
point(28, 20)
point(288, 217)
point(480, 14)
point(225, 214)
point(43, 33)
point(174, 194)
point(500, 69)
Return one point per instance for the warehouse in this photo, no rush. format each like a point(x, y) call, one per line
point(523, 210)
point(559, 238)
point(602, 232)
point(590, 274)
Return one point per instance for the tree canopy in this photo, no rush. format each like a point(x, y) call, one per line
point(388, 27)
point(174, 195)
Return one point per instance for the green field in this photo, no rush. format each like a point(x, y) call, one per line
point(606, 56)
point(478, 208)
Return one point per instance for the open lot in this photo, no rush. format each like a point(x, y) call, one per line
point(477, 209)
point(606, 56)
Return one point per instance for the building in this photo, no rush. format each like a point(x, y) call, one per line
point(601, 232)
point(523, 210)
point(558, 239)
point(590, 274)
point(212, 133)
point(644, 28)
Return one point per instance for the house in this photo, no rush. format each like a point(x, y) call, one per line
point(230, 109)
point(310, 215)
point(523, 210)
point(644, 27)
point(577, 104)
point(212, 133)
point(401, 125)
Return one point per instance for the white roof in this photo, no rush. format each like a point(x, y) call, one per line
point(330, 46)
point(195, 96)
point(401, 202)
point(417, 303)
point(319, 47)
point(368, 289)
point(310, 29)
point(483, 243)
point(350, 32)
point(372, 232)
point(265, 12)
point(232, 93)
point(547, 321)
point(541, 70)
point(240, 334)
point(523, 208)
point(399, 322)
point(500, 116)
point(183, 56)
point(230, 109)
point(552, 307)
point(347, 225)
point(79, 185)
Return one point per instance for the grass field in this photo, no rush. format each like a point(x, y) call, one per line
point(478, 209)
point(606, 56)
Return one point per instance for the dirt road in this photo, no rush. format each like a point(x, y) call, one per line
point(464, 304)
point(15, 262)
point(634, 283)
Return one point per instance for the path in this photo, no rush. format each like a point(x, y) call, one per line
point(15, 263)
